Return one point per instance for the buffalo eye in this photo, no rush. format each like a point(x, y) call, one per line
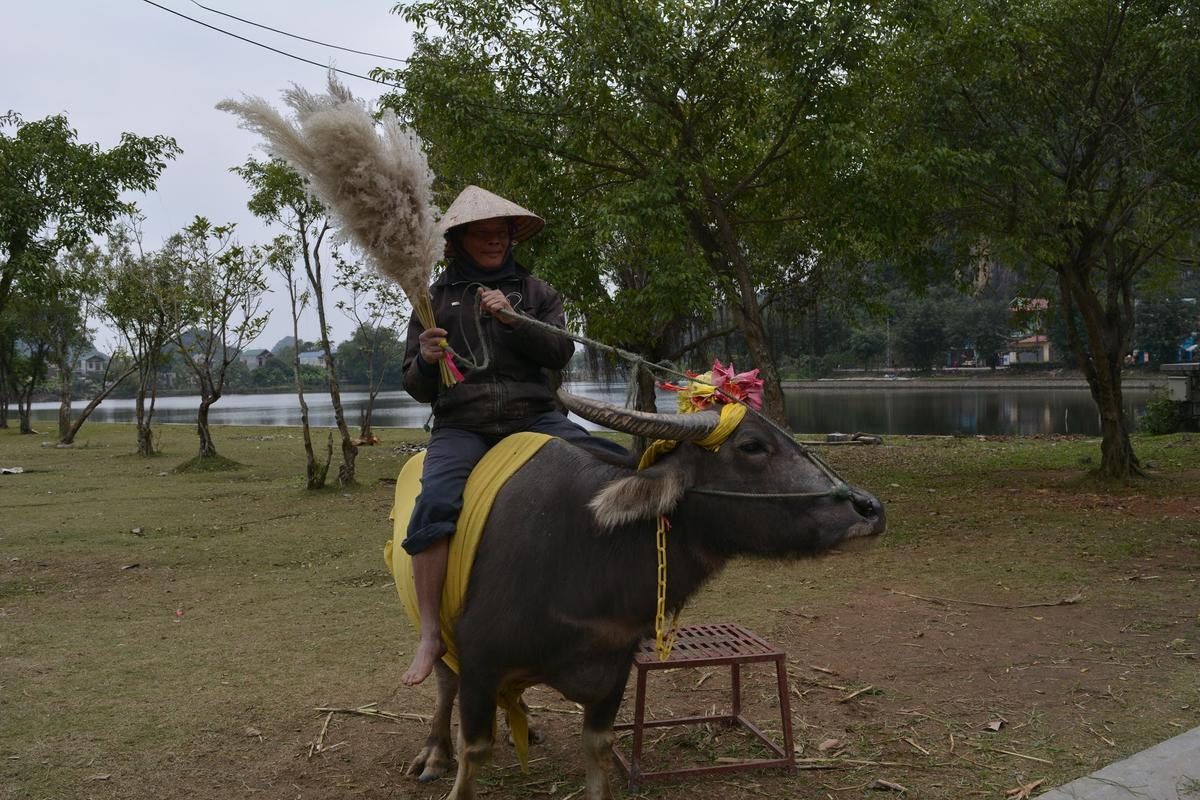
point(752, 446)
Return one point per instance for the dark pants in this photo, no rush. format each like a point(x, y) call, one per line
point(451, 456)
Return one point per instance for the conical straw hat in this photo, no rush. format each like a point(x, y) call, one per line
point(474, 204)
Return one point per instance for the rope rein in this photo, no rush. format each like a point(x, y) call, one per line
point(839, 487)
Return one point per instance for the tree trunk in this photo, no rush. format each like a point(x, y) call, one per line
point(314, 473)
point(1099, 352)
point(364, 428)
point(145, 436)
point(23, 412)
point(145, 440)
point(207, 448)
point(749, 318)
point(644, 400)
point(723, 252)
point(3, 393)
point(69, 436)
point(1117, 460)
point(25, 405)
point(349, 451)
point(64, 402)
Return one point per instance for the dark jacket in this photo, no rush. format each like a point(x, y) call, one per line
point(514, 385)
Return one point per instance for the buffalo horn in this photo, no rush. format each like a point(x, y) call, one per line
point(681, 427)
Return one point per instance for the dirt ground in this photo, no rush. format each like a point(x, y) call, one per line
point(1019, 626)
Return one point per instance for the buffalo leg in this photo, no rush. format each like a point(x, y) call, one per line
point(476, 718)
point(437, 755)
point(598, 742)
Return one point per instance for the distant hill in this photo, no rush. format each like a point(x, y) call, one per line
point(287, 341)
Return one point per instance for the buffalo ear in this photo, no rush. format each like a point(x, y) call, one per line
point(643, 495)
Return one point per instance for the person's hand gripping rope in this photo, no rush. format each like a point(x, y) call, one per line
point(433, 342)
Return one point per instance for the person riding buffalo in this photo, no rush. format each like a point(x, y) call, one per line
point(508, 391)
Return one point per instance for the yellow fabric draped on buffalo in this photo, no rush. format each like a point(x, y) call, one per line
point(486, 480)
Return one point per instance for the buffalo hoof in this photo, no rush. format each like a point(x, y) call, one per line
point(535, 737)
point(430, 764)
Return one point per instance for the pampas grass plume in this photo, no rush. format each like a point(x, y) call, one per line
point(373, 177)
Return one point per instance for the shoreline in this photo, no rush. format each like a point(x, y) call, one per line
point(964, 383)
point(864, 381)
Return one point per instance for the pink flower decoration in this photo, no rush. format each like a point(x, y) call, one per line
point(706, 392)
point(745, 386)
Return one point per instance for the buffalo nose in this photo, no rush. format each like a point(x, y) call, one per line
point(869, 507)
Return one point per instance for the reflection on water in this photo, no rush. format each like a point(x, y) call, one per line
point(1022, 412)
point(890, 409)
point(392, 409)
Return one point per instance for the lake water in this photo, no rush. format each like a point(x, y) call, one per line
point(992, 410)
point(892, 408)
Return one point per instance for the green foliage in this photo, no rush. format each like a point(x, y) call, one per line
point(980, 323)
point(920, 332)
point(238, 375)
point(55, 192)
point(143, 296)
point(275, 372)
point(1061, 138)
point(279, 193)
point(220, 297)
point(681, 151)
point(1162, 415)
point(868, 345)
point(1162, 325)
point(372, 356)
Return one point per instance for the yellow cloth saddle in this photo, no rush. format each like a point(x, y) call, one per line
point(486, 480)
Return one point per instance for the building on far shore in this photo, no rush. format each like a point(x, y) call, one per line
point(1032, 349)
point(91, 362)
point(314, 357)
point(253, 359)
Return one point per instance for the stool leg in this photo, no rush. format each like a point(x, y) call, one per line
point(785, 710)
point(639, 717)
point(735, 675)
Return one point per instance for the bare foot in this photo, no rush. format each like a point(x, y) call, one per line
point(428, 652)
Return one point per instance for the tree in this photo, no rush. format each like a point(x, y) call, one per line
point(1162, 325)
point(979, 322)
point(868, 344)
point(921, 331)
point(142, 303)
point(64, 316)
point(276, 372)
point(278, 195)
point(27, 343)
point(56, 192)
point(682, 149)
point(77, 283)
point(1066, 136)
point(221, 295)
point(375, 351)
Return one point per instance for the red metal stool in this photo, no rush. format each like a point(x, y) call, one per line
point(706, 646)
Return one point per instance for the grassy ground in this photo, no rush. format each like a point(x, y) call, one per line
point(169, 634)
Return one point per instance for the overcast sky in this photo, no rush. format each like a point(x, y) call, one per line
point(124, 65)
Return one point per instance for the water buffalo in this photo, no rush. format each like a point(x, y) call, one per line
point(563, 585)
